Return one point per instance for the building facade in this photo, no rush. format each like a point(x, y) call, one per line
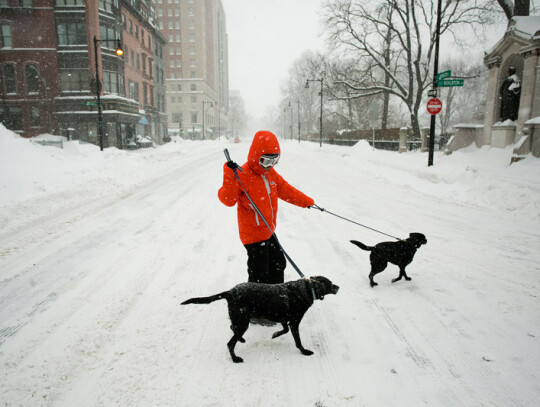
point(196, 66)
point(50, 51)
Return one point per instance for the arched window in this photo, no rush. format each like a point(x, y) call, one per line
point(32, 79)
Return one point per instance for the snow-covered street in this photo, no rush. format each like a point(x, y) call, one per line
point(98, 250)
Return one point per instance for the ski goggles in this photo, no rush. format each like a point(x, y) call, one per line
point(267, 161)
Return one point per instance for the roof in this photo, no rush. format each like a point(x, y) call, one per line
point(525, 30)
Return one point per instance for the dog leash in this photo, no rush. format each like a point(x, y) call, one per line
point(352, 221)
point(234, 168)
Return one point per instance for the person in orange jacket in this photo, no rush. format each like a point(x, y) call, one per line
point(266, 262)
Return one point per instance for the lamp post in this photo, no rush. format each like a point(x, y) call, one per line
point(290, 121)
point(298, 102)
point(119, 52)
point(204, 103)
point(321, 94)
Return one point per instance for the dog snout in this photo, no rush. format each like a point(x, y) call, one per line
point(335, 289)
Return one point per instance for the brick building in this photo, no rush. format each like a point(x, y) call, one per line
point(48, 69)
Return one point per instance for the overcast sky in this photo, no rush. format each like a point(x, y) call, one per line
point(265, 37)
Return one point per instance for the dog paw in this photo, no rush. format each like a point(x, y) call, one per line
point(408, 278)
point(306, 352)
point(237, 359)
point(373, 284)
point(395, 279)
point(242, 340)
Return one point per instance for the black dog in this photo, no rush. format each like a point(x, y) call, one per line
point(400, 253)
point(285, 303)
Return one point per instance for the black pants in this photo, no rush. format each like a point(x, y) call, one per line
point(266, 262)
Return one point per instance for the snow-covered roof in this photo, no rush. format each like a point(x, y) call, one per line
point(525, 27)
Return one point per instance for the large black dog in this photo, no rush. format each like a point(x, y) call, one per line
point(400, 253)
point(285, 303)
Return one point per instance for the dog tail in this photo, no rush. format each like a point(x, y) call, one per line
point(362, 245)
point(207, 300)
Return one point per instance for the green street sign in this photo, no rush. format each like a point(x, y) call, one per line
point(450, 82)
point(90, 103)
point(444, 75)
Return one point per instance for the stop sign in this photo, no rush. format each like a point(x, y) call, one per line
point(434, 106)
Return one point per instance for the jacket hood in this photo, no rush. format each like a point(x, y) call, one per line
point(264, 142)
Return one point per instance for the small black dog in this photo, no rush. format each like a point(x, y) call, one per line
point(285, 303)
point(400, 253)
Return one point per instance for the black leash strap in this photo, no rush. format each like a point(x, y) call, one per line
point(352, 221)
point(228, 157)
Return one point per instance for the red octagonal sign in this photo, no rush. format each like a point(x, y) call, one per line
point(434, 106)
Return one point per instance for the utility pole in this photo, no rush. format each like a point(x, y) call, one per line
point(435, 73)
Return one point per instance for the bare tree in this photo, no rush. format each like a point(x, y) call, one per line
point(237, 114)
point(309, 66)
point(395, 40)
point(463, 104)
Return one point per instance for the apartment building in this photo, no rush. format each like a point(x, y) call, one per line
point(196, 66)
point(50, 51)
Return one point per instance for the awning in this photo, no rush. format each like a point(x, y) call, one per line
point(143, 120)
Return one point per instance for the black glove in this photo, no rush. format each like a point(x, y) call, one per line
point(232, 165)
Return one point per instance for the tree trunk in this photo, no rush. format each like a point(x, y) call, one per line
point(522, 7)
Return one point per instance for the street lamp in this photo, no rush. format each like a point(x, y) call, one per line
point(119, 52)
point(321, 94)
point(298, 103)
point(211, 105)
point(290, 121)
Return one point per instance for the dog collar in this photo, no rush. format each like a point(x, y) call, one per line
point(310, 287)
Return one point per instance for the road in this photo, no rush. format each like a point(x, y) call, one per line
point(90, 314)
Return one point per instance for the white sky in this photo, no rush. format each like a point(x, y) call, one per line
point(265, 38)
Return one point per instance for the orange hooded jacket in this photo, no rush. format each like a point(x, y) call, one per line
point(263, 186)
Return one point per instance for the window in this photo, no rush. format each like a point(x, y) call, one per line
point(134, 90)
point(32, 79)
point(192, 63)
point(11, 117)
point(71, 33)
point(170, 25)
point(9, 73)
point(5, 36)
point(173, 99)
point(177, 25)
point(108, 37)
point(145, 93)
point(177, 117)
point(73, 80)
point(69, 2)
point(191, 37)
point(194, 99)
point(190, 11)
point(171, 51)
point(193, 87)
point(34, 116)
point(169, 13)
point(131, 27)
point(179, 88)
point(113, 82)
point(178, 63)
point(191, 24)
point(191, 50)
point(108, 5)
point(177, 38)
point(178, 51)
point(194, 118)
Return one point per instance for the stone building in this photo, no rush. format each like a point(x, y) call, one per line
point(513, 96)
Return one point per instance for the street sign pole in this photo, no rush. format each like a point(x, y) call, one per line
point(435, 74)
